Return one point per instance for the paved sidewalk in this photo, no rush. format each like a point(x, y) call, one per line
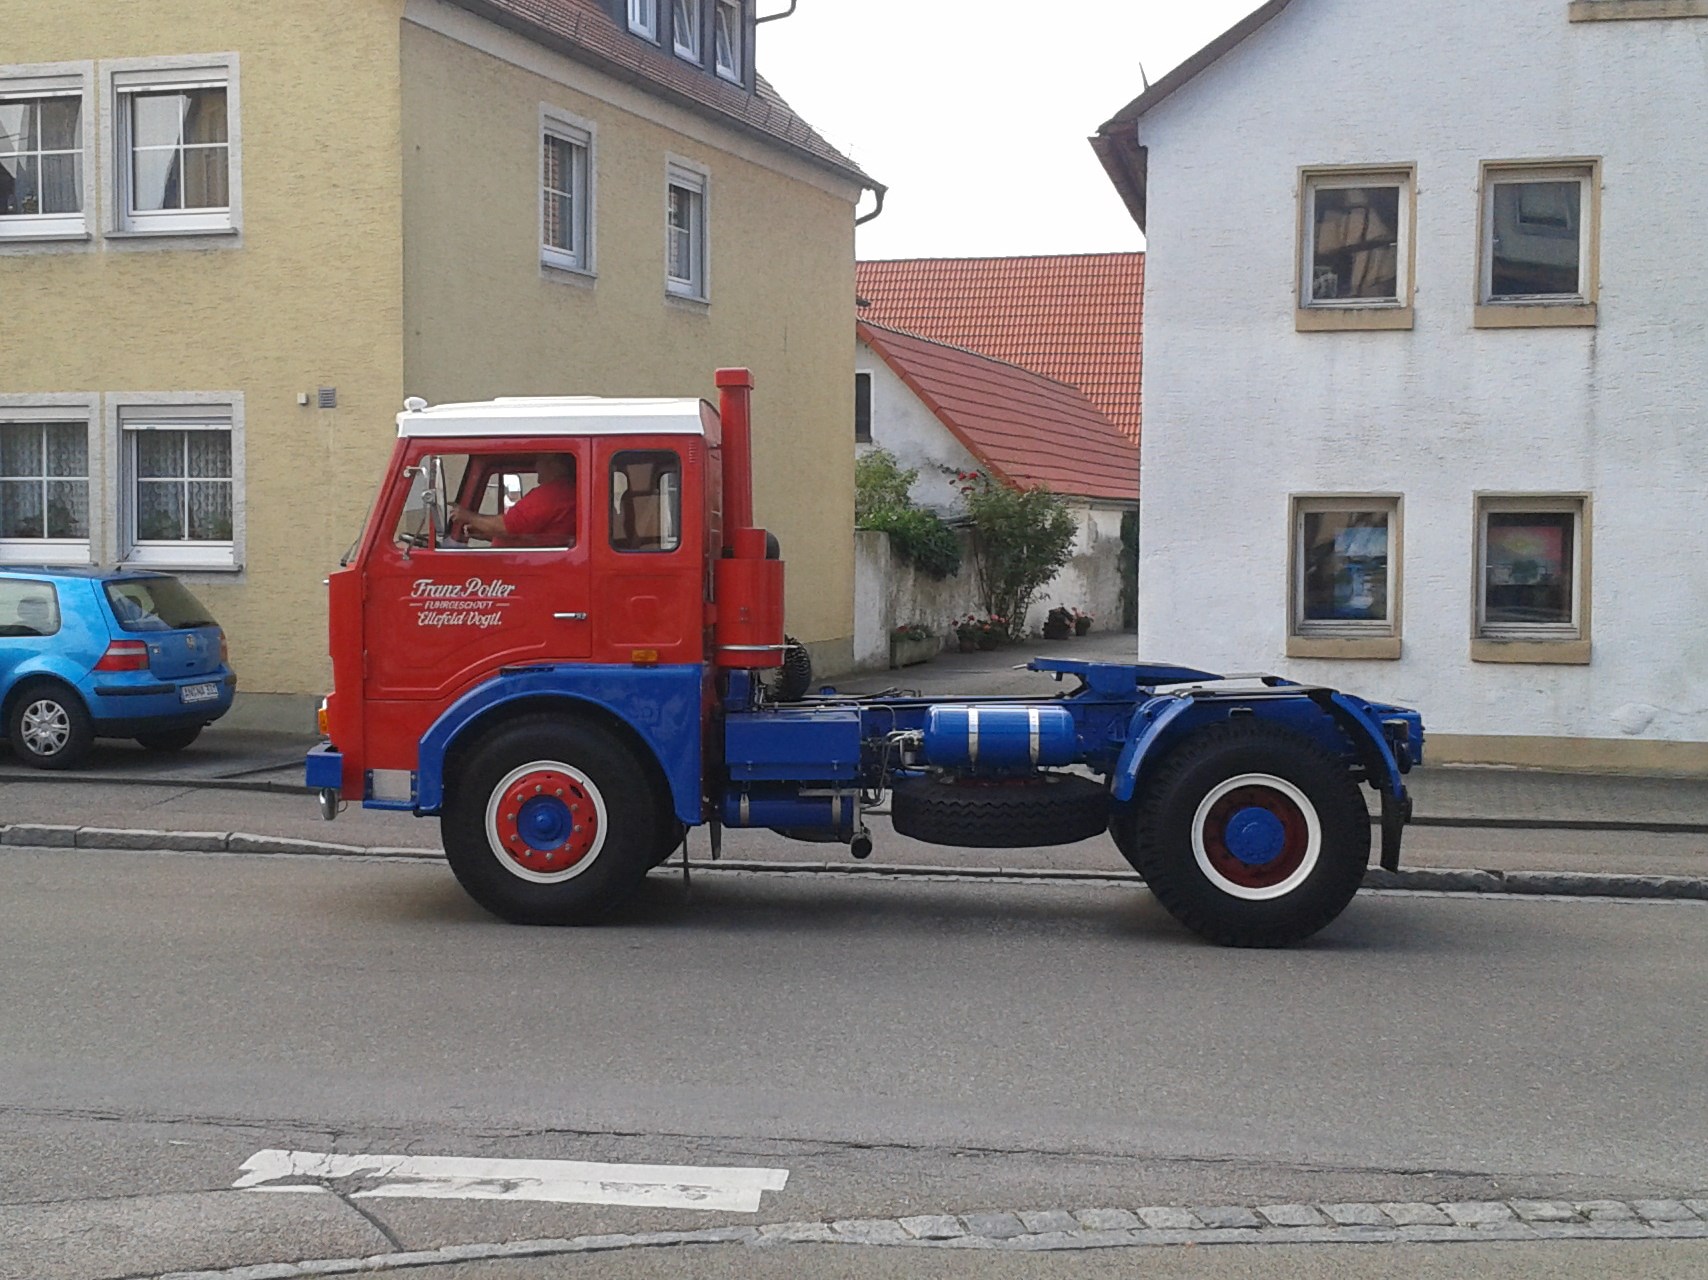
point(243, 790)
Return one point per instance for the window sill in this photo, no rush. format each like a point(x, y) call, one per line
point(698, 303)
point(1352, 319)
point(1536, 315)
point(180, 566)
point(12, 235)
point(1624, 10)
point(1348, 648)
point(1565, 653)
point(564, 273)
point(165, 233)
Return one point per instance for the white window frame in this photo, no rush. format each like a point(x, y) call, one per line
point(55, 80)
point(692, 49)
point(1549, 308)
point(696, 179)
point(1357, 313)
point(1345, 638)
point(124, 76)
point(732, 70)
point(58, 551)
point(643, 18)
point(1575, 505)
point(130, 413)
point(564, 127)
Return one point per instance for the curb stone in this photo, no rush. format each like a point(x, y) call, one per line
point(1571, 884)
point(1448, 1222)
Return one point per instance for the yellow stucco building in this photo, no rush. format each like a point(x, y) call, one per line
point(235, 234)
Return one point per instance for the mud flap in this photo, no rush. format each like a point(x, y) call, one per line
point(1396, 812)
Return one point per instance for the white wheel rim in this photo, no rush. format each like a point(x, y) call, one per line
point(1208, 846)
point(503, 816)
point(45, 727)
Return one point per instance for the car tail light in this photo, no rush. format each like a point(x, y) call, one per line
point(124, 655)
point(224, 650)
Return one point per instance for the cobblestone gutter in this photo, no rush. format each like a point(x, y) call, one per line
point(1050, 1230)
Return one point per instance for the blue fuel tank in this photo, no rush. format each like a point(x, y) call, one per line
point(997, 737)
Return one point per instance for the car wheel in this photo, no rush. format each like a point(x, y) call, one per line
point(49, 727)
point(170, 739)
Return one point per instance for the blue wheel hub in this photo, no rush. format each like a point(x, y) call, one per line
point(545, 823)
point(1255, 836)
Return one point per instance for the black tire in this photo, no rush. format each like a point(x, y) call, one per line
point(1124, 830)
point(168, 740)
point(794, 677)
point(602, 864)
point(978, 813)
point(1205, 885)
point(49, 727)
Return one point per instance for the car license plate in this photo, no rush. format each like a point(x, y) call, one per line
point(198, 692)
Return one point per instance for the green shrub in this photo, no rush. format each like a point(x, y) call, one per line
point(881, 501)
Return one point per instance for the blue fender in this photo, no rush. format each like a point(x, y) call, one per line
point(1150, 722)
point(653, 702)
point(1356, 719)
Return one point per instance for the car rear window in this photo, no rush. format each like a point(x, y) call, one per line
point(156, 604)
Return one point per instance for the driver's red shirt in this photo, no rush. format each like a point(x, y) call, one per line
point(543, 517)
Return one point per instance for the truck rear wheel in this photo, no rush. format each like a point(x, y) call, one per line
point(1252, 835)
point(552, 821)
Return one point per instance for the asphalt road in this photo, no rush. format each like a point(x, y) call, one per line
point(898, 1047)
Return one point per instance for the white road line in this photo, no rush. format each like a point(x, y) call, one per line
point(728, 1190)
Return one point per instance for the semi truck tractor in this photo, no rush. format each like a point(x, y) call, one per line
point(561, 633)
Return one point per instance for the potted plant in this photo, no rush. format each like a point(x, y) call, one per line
point(1058, 623)
point(1082, 623)
point(967, 633)
point(991, 631)
point(912, 643)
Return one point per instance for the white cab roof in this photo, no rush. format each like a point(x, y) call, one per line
point(555, 416)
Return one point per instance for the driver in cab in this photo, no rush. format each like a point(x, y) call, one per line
point(543, 517)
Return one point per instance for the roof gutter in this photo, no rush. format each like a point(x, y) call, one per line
point(1116, 142)
point(880, 192)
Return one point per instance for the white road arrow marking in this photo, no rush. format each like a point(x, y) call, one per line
point(654, 1186)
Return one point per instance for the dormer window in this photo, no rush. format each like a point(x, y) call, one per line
point(643, 18)
point(726, 39)
point(685, 29)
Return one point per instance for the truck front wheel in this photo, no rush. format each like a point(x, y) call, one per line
point(1251, 835)
point(551, 821)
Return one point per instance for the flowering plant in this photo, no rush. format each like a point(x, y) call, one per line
point(974, 626)
point(912, 631)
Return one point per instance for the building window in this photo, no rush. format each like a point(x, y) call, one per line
point(1355, 249)
point(685, 232)
point(41, 157)
point(685, 28)
point(643, 18)
point(862, 408)
point(178, 487)
point(566, 238)
point(175, 156)
point(44, 491)
point(1345, 573)
point(1539, 245)
point(727, 39)
point(1532, 584)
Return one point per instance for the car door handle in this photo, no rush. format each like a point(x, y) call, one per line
point(570, 617)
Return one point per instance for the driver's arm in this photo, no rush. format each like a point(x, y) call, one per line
point(484, 527)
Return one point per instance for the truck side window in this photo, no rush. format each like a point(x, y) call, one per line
point(646, 500)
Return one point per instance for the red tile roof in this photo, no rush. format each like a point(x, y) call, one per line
point(583, 30)
point(1022, 426)
point(1075, 317)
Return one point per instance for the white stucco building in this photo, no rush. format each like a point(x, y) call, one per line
point(1426, 360)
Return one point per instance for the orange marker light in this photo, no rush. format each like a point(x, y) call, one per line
point(642, 656)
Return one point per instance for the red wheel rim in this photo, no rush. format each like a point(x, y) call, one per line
point(545, 821)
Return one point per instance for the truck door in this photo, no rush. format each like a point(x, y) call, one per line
point(445, 608)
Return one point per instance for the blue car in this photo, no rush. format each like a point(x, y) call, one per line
point(90, 653)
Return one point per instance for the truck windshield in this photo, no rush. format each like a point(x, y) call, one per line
point(156, 604)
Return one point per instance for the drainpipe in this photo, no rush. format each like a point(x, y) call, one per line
point(772, 17)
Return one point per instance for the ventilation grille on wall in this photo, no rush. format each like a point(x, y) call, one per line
point(328, 397)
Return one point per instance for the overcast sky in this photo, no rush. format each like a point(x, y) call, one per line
point(975, 113)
